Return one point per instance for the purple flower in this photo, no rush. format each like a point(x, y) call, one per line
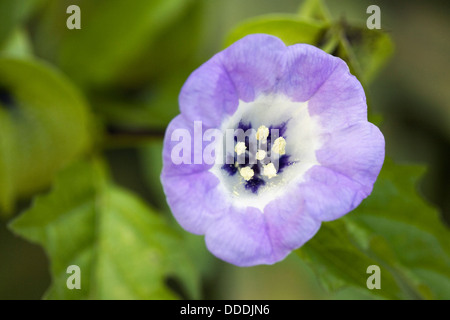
point(309, 154)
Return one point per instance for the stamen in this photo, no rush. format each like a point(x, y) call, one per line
point(262, 133)
point(240, 148)
point(270, 171)
point(257, 167)
point(260, 155)
point(279, 146)
point(247, 173)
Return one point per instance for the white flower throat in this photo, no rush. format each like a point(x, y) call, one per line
point(268, 153)
point(279, 147)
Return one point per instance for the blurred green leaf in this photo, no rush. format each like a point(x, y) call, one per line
point(314, 10)
point(44, 124)
point(124, 249)
point(124, 113)
point(339, 261)
point(12, 13)
point(366, 51)
point(413, 229)
point(394, 229)
point(113, 34)
point(288, 28)
point(152, 108)
point(17, 45)
point(171, 51)
point(143, 93)
point(152, 166)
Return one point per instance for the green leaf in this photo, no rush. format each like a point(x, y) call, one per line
point(152, 109)
point(12, 13)
point(366, 51)
point(414, 230)
point(113, 34)
point(44, 124)
point(173, 51)
point(124, 249)
point(314, 10)
point(17, 45)
point(152, 167)
point(288, 28)
point(339, 261)
point(394, 229)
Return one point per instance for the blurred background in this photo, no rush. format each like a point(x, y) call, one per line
point(130, 61)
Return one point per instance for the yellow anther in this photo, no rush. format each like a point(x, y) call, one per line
point(262, 133)
point(279, 146)
point(240, 148)
point(260, 155)
point(270, 171)
point(247, 173)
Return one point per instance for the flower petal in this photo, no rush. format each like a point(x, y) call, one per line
point(290, 224)
point(208, 94)
point(195, 200)
point(240, 237)
point(306, 69)
point(328, 194)
point(191, 190)
point(340, 101)
point(186, 126)
point(254, 64)
point(356, 152)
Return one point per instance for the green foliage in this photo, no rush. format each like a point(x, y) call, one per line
point(17, 45)
point(123, 247)
point(114, 33)
point(181, 38)
point(12, 12)
point(366, 51)
point(339, 260)
point(393, 228)
point(45, 124)
point(152, 154)
point(288, 28)
point(314, 10)
point(123, 64)
point(130, 60)
point(153, 108)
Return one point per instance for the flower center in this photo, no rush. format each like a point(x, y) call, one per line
point(273, 165)
point(259, 155)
